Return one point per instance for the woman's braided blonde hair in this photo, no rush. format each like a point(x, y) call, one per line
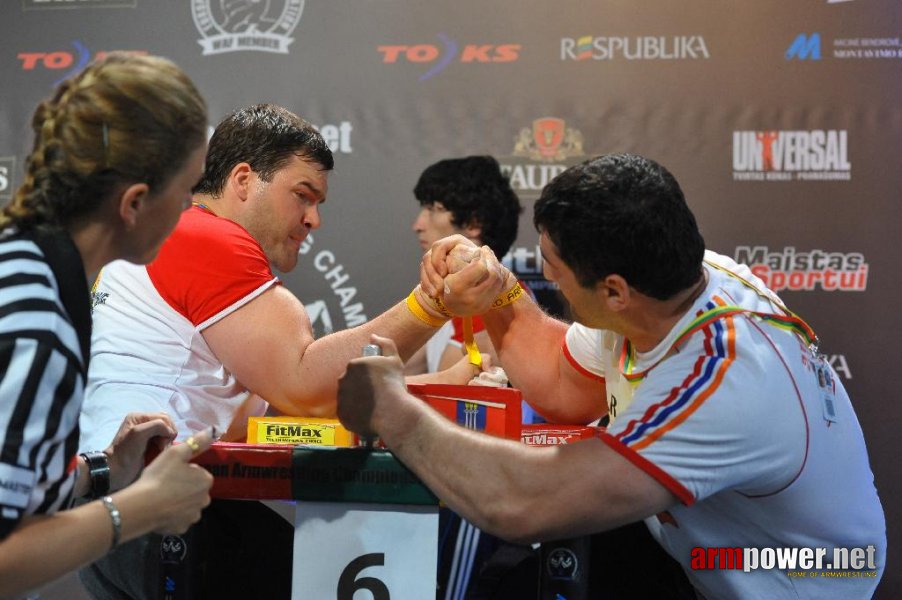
point(124, 119)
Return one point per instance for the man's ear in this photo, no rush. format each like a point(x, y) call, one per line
point(615, 292)
point(240, 180)
point(131, 204)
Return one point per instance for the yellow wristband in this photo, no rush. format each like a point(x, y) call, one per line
point(440, 307)
point(508, 297)
point(419, 312)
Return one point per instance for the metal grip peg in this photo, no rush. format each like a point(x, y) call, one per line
point(372, 350)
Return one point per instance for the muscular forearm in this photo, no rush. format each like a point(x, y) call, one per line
point(463, 468)
point(528, 343)
point(512, 490)
point(526, 340)
point(503, 486)
point(323, 361)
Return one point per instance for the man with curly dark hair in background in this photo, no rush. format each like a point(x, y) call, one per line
point(469, 196)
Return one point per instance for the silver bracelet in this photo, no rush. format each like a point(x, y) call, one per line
point(115, 517)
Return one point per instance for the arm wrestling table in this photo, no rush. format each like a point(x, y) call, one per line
point(362, 520)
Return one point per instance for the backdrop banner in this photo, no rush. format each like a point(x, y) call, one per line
point(780, 119)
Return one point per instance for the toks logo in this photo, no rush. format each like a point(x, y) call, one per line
point(806, 271)
point(787, 155)
point(441, 57)
point(235, 25)
point(74, 62)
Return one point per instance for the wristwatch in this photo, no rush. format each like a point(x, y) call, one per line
point(99, 472)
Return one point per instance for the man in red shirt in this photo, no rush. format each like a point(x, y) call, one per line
point(207, 334)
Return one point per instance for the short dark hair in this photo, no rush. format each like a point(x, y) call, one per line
point(265, 136)
point(623, 214)
point(475, 191)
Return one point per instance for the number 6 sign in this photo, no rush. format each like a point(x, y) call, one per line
point(382, 551)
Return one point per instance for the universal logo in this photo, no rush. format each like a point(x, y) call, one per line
point(45, 4)
point(246, 25)
point(7, 168)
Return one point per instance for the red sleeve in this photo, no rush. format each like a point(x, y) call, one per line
point(657, 473)
point(207, 265)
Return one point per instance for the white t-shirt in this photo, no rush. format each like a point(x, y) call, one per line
point(148, 353)
point(735, 422)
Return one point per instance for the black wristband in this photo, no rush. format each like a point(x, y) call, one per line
point(99, 473)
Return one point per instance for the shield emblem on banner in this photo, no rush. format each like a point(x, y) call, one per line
point(548, 134)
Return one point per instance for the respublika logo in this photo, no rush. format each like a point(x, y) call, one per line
point(7, 168)
point(820, 154)
point(43, 4)
point(677, 47)
point(246, 24)
point(438, 57)
point(320, 311)
point(796, 271)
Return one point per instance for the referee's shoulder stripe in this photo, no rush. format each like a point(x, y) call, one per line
point(24, 272)
point(48, 337)
point(28, 305)
point(25, 279)
point(19, 248)
point(38, 314)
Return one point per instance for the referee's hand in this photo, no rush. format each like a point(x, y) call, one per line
point(184, 487)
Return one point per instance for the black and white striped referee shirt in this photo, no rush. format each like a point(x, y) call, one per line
point(45, 333)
